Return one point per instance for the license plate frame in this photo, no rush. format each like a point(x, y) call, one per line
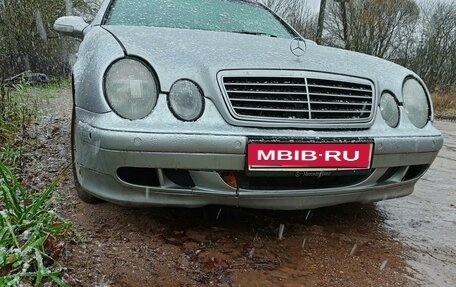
point(365, 148)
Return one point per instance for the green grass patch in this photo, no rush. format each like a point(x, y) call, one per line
point(11, 154)
point(29, 234)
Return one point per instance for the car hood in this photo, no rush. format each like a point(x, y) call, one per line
point(200, 55)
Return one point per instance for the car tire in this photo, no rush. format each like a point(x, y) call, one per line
point(82, 193)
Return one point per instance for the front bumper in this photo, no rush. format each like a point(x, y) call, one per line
point(102, 151)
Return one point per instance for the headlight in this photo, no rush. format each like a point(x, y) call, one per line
point(389, 109)
point(186, 100)
point(131, 89)
point(416, 103)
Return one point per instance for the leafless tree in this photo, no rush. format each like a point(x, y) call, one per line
point(278, 6)
point(321, 21)
point(435, 54)
point(298, 14)
point(422, 38)
point(373, 26)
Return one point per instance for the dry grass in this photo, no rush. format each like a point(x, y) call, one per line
point(445, 105)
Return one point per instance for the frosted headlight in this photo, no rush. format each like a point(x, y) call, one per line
point(186, 100)
point(416, 103)
point(389, 109)
point(131, 89)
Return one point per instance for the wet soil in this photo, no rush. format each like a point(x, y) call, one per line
point(425, 222)
point(404, 242)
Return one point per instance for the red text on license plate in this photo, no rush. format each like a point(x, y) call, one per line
point(309, 156)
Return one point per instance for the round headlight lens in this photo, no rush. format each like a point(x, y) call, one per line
point(390, 110)
point(131, 89)
point(416, 103)
point(186, 100)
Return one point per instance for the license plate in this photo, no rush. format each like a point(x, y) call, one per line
point(308, 156)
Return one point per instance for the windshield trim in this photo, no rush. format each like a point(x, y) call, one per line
point(107, 12)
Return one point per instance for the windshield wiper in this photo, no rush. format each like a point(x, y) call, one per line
point(254, 33)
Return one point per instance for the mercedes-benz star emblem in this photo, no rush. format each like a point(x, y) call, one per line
point(298, 47)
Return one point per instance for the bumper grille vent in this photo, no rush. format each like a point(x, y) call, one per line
point(299, 99)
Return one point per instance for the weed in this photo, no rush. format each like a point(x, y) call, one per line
point(11, 154)
point(19, 108)
point(29, 229)
point(445, 105)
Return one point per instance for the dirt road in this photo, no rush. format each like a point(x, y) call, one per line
point(404, 242)
point(425, 222)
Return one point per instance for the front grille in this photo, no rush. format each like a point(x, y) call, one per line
point(299, 98)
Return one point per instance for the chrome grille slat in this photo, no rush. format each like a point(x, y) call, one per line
point(338, 111)
point(299, 117)
point(265, 84)
point(339, 103)
point(271, 109)
point(269, 101)
point(267, 92)
point(300, 98)
point(338, 96)
point(339, 88)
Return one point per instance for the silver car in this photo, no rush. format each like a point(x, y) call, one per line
point(199, 102)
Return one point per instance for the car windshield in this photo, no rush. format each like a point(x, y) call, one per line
point(215, 15)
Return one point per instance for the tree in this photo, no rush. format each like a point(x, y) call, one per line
point(28, 40)
point(321, 21)
point(372, 26)
point(435, 52)
point(298, 14)
point(420, 38)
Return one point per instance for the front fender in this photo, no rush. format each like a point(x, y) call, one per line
point(98, 50)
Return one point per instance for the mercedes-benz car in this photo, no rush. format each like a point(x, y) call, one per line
point(221, 102)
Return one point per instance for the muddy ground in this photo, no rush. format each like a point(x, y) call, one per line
point(404, 242)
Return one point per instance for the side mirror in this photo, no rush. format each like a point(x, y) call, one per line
point(71, 26)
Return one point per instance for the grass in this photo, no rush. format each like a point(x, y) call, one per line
point(19, 109)
point(29, 233)
point(445, 105)
point(29, 227)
